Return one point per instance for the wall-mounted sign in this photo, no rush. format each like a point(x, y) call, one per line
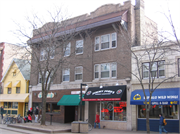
point(49, 95)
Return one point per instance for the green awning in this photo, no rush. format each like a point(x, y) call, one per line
point(70, 100)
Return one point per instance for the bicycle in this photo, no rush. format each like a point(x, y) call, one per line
point(89, 125)
point(19, 119)
point(8, 120)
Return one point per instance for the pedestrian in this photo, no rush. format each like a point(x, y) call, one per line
point(40, 115)
point(97, 120)
point(2, 112)
point(36, 114)
point(161, 125)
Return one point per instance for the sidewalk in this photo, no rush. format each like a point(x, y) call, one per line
point(62, 128)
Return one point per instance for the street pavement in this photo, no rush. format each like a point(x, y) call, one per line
point(58, 128)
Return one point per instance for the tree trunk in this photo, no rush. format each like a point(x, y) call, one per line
point(147, 121)
point(43, 108)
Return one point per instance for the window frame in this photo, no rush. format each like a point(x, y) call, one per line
point(19, 90)
point(78, 73)
point(82, 46)
point(43, 53)
point(99, 42)
point(67, 48)
point(156, 70)
point(63, 74)
point(8, 90)
point(100, 71)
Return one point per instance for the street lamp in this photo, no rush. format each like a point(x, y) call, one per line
point(81, 101)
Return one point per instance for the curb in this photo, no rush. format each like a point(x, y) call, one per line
point(39, 129)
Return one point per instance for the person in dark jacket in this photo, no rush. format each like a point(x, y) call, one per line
point(36, 114)
point(30, 112)
point(97, 120)
point(2, 112)
point(161, 125)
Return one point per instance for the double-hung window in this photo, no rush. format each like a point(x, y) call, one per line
point(47, 52)
point(79, 46)
point(157, 69)
point(67, 49)
point(66, 74)
point(78, 73)
point(17, 89)
point(9, 91)
point(45, 79)
point(104, 42)
point(105, 70)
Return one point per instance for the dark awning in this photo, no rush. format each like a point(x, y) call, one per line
point(70, 100)
point(167, 96)
point(111, 93)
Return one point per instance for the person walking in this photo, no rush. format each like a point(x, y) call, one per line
point(40, 115)
point(161, 125)
point(36, 114)
point(2, 112)
point(97, 120)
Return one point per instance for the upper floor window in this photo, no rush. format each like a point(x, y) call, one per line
point(179, 67)
point(67, 49)
point(40, 77)
point(9, 91)
point(17, 89)
point(78, 73)
point(157, 69)
point(79, 46)
point(105, 70)
point(47, 52)
point(66, 74)
point(105, 42)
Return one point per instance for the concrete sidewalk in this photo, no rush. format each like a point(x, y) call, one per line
point(61, 128)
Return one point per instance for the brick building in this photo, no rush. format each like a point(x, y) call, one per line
point(98, 56)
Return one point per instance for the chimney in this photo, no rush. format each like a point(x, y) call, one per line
point(139, 21)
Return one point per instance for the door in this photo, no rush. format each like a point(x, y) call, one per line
point(92, 112)
point(69, 114)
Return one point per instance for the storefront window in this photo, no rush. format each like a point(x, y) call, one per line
point(55, 108)
point(5, 105)
point(113, 110)
point(9, 104)
point(15, 105)
point(168, 111)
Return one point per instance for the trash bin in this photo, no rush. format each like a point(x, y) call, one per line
point(75, 127)
point(83, 127)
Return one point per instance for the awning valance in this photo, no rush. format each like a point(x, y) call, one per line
point(17, 84)
point(9, 84)
point(167, 96)
point(14, 97)
point(70, 100)
point(111, 93)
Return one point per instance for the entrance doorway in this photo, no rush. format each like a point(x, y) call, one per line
point(69, 114)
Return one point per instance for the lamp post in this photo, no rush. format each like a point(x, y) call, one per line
point(81, 101)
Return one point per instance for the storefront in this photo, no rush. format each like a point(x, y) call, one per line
point(111, 103)
point(62, 104)
point(15, 104)
point(165, 101)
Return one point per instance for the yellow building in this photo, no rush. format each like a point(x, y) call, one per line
point(15, 81)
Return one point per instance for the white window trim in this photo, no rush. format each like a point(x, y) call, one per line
point(44, 53)
point(82, 46)
point(69, 44)
point(63, 74)
point(110, 71)
point(157, 71)
point(110, 42)
point(78, 73)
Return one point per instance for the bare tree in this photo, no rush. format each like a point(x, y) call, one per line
point(49, 46)
point(149, 56)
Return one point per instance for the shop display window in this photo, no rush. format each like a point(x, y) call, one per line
point(50, 107)
point(10, 104)
point(15, 105)
point(5, 105)
point(168, 111)
point(113, 110)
